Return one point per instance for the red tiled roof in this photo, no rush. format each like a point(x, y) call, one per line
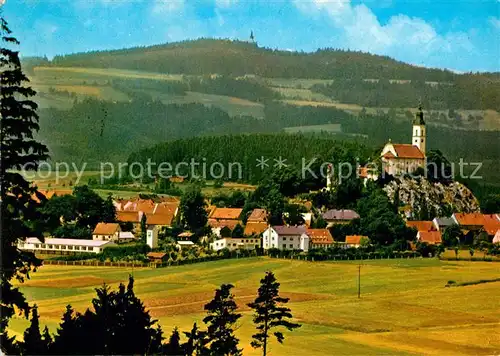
point(407, 151)
point(226, 213)
point(421, 225)
point(106, 228)
point(160, 219)
point(388, 155)
point(258, 215)
point(320, 236)
point(354, 239)
point(255, 228)
point(128, 216)
point(491, 223)
point(155, 255)
point(214, 223)
point(51, 193)
point(470, 219)
point(431, 237)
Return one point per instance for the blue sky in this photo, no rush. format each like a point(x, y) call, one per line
point(462, 35)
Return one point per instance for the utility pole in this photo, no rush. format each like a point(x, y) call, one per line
point(359, 281)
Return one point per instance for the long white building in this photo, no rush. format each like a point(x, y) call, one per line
point(63, 246)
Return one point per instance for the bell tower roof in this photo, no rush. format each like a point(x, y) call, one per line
point(419, 117)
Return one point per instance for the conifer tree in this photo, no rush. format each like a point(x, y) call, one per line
point(269, 314)
point(67, 333)
point(220, 320)
point(47, 340)
point(19, 150)
point(196, 343)
point(33, 342)
point(174, 344)
point(144, 227)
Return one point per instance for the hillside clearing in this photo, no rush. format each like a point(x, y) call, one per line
point(404, 306)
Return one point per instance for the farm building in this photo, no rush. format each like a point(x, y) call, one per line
point(354, 240)
point(106, 232)
point(343, 216)
point(232, 243)
point(285, 238)
point(157, 257)
point(421, 225)
point(184, 244)
point(442, 223)
point(255, 228)
point(63, 246)
point(430, 237)
point(319, 238)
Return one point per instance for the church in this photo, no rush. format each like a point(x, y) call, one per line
point(402, 158)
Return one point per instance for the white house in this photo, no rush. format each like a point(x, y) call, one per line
point(106, 232)
point(285, 238)
point(234, 243)
point(63, 246)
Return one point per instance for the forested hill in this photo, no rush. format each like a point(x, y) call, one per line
point(237, 58)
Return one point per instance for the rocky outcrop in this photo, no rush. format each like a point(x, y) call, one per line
point(428, 200)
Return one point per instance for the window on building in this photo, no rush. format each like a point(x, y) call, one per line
point(70, 247)
point(291, 245)
point(49, 246)
point(284, 238)
point(422, 140)
point(21, 245)
point(234, 245)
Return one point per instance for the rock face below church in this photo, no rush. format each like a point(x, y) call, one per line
point(439, 199)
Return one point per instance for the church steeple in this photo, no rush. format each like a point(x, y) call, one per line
point(418, 133)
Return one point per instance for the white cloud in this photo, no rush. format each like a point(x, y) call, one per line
point(401, 35)
point(495, 21)
point(167, 6)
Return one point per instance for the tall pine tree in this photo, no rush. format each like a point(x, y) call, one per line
point(20, 151)
point(220, 320)
point(269, 314)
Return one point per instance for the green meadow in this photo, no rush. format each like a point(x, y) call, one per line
point(404, 308)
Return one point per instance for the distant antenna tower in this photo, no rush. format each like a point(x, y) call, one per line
point(252, 37)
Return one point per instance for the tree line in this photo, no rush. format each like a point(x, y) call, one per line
point(471, 93)
point(119, 324)
point(237, 58)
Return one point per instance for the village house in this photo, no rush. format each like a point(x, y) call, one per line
point(355, 240)
point(496, 238)
point(185, 236)
point(223, 217)
point(106, 232)
point(157, 257)
point(319, 238)
point(161, 212)
point(63, 246)
point(184, 244)
point(440, 224)
point(235, 243)
point(472, 223)
point(399, 159)
point(430, 237)
point(257, 215)
point(421, 225)
point(126, 236)
point(343, 216)
point(254, 228)
point(286, 238)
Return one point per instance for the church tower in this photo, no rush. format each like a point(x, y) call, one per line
point(419, 138)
